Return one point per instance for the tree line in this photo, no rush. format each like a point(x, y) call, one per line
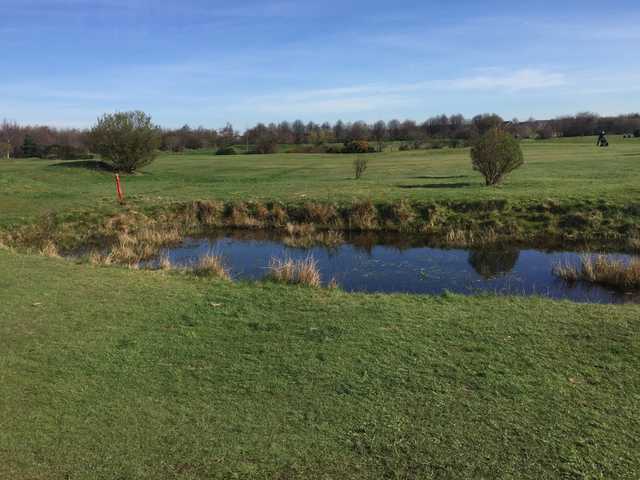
point(49, 142)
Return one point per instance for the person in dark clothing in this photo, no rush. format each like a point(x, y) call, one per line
point(602, 139)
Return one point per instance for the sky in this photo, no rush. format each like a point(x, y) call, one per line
point(198, 62)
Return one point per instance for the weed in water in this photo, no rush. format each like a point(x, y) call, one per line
point(603, 270)
point(302, 272)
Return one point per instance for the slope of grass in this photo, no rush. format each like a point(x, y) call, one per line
point(112, 373)
point(568, 169)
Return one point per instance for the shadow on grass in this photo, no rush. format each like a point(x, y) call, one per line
point(436, 185)
point(85, 164)
point(436, 177)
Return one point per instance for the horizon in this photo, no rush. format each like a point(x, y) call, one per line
point(203, 63)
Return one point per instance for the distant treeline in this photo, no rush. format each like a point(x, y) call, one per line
point(42, 141)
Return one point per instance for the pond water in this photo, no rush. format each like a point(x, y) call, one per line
point(400, 263)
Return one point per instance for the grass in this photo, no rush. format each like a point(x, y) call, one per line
point(114, 373)
point(568, 170)
point(109, 372)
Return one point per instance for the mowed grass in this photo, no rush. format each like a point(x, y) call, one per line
point(564, 169)
point(113, 373)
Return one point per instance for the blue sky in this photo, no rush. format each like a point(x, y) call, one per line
point(207, 62)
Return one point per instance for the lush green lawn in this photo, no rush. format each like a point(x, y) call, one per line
point(111, 373)
point(566, 169)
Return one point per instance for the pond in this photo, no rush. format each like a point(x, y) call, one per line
point(402, 263)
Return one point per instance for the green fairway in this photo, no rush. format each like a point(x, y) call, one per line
point(111, 373)
point(564, 169)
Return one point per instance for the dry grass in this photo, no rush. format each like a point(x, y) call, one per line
point(50, 250)
point(363, 216)
point(321, 213)
point(211, 266)
point(165, 263)
point(603, 270)
point(300, 230)
point(279, 215)
point(301, 272)
point(403, 213)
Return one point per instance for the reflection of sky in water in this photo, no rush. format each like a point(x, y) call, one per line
point(377, 266)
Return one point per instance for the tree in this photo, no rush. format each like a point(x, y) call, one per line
point(379, 134)
point(5, 150)
point(30, 147)
point(496, 154)
point(127, 140)
point(486, 122)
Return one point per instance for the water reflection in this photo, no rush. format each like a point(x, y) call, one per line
point(393, 262)
point(492, 263)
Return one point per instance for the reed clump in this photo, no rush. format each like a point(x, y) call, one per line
point(602, 270)
point(211, 266)
point(50, 250)
point(296, 272)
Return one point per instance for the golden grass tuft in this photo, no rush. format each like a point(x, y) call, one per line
point(164, 263)
point(299, 272)
point(300, 230)
point(322, 213)
point(279, 215)
point(603, 270)
point(211, 266)
point(208, 212)
point(403, 213)
point(363, 216)
point(50, 250)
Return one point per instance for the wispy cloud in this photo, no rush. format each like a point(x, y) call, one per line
point(526, 79)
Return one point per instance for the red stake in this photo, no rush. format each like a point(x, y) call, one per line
point(119, 189)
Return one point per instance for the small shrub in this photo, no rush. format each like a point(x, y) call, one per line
point(357, 146)
point(266, 146)
point(495, 155)
point(360, 166)
point(405, 147)
point(636, 133)
point(226, 151)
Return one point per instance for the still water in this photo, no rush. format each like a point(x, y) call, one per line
point(399, 263)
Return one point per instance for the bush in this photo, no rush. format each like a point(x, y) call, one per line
point(266, 146)
point(636, 133)
point(496, 154)
point(357, 146)
point(127, 140)
point(359, 166)
point(226, 151)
